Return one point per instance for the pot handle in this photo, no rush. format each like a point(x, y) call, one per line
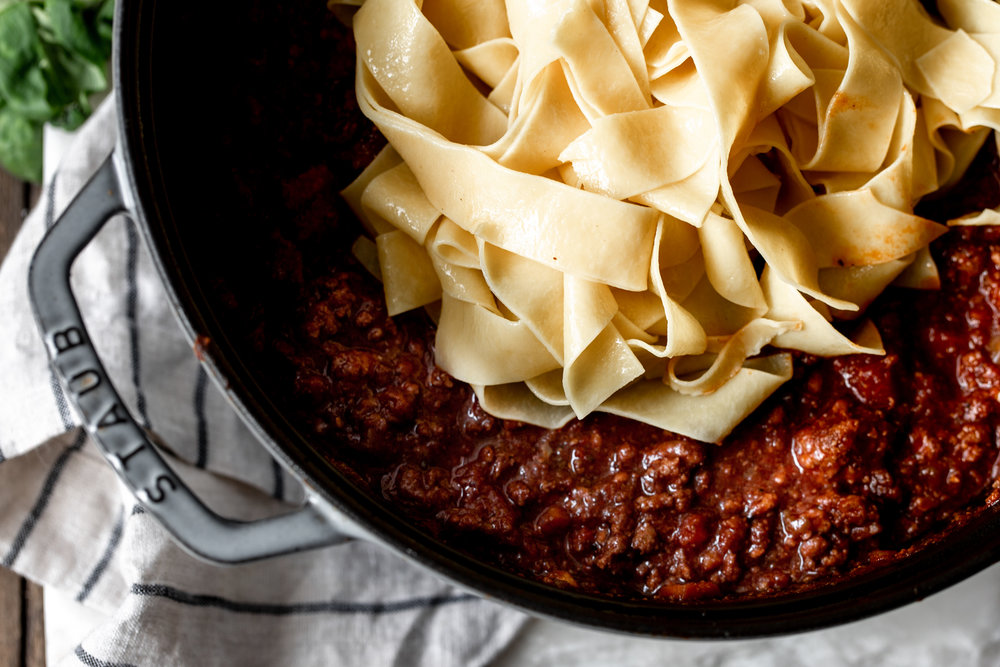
point(127, 446)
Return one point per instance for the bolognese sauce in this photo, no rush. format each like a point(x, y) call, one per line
point(846, 466)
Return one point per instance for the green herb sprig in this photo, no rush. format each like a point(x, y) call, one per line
point(53, 61)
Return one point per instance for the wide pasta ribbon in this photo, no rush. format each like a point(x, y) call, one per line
point(617, 215)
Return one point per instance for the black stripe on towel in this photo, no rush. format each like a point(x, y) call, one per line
point(327, 607)
point(131, 314)
point(48, 487)
point(109, 551)
point(61, 405)
point(91, 661)
point(199, 413)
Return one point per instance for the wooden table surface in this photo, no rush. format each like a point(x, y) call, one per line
point(22, 636)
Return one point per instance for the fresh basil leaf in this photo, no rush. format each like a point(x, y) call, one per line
point(105, 21)
point(59, 70)
point(87, 4)
point(75, 27)
point(23, 85)
point(6, 3)
point(53, 59)
point(79, 73)
point(20, 145)
point(73, 116)
point(19, 40)
point(29, 95)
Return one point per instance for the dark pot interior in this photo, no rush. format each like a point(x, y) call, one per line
point(194, 106)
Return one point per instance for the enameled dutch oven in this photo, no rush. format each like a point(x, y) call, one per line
point(166, 62)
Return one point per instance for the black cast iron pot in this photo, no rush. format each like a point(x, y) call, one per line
point(171, 67)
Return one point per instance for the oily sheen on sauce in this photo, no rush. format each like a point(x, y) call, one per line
point(845, 467)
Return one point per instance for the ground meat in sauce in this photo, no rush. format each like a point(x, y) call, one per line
point(855, 457)
point(847, 465)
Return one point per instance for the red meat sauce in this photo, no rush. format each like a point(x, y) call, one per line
point(853, 460)
point(846, 467)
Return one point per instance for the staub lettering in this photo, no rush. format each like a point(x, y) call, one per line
point(67, 339)
point(84, 381)
point(123, 459)
point(163, 485)
point(113, 416)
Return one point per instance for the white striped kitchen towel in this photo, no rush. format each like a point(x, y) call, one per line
point(67, 523)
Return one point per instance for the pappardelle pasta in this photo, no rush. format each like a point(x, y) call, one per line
point(618, 205)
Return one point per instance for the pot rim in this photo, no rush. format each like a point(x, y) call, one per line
point(940, 560)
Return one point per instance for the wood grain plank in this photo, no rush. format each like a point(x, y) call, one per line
point(33, 652)
point(22, 631)
point(12, 209)
point(10, 619)
point(11, 586)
